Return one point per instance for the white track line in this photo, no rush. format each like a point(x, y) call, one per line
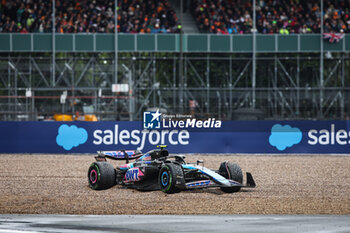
point(17, 231)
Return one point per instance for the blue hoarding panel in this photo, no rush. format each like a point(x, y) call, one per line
point(231, 137)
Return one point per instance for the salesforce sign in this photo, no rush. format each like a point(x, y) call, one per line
point(138, 138)
point(181, 134)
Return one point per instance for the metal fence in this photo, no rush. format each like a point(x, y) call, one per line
point(222, 76)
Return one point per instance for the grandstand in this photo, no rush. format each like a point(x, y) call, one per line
point(295, 65)
point(281, 17)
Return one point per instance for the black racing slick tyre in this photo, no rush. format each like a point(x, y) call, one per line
point(168, 175)
point(101, 175)
point(233, 172)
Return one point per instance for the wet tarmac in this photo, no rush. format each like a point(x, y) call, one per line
point(174, 223)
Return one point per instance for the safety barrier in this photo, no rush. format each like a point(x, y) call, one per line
point(189, 137)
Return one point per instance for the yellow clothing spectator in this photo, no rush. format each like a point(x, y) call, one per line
point(284, 31)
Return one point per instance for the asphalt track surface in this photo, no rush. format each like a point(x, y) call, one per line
point(175, 223)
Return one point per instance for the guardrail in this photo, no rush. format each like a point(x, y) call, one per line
point(42, 42)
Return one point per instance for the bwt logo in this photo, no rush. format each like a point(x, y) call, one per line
point(285, 136)
point(133, 174)
point(151, 120)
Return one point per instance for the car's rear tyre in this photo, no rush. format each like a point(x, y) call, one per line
point(167, 177)
point(233, 172)
point(101, 175)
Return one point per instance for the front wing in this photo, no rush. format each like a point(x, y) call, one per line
point(231, 183)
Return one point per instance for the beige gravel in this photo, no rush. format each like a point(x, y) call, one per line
point(57, 184)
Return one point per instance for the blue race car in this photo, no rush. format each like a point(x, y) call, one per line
point(157, 170)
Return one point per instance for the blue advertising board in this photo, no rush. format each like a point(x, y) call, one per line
point(229, 137)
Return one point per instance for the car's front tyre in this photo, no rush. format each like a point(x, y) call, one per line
point(231, 171)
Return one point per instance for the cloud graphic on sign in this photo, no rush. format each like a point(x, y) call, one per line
point(71, 136)
point(285, 136)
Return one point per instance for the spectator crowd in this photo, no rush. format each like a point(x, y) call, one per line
point(158, 16)
point(89, 16)
point(272, 16)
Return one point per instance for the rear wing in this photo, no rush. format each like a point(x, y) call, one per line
point(118, 155)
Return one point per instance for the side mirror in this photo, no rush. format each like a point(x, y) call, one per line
point(200, 161)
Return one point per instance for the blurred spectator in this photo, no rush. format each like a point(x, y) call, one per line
point(157, 16)
point(272, 16)
point(74, 16)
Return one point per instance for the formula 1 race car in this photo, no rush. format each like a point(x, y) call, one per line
point(157, 170)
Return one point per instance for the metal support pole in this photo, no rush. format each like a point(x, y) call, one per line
point(131, 99)
point(181, 90)
point(73, 89)
point(208, 85)
point(9, 88)
point(254, 56)
point(342, 103)
point(115, 41)
point(298, 88)
point(321, 66)
point(230, 86)
point(33, 107)
point(16, 94)
point(94, 103)
point(154, 88)
point(270, 102)
point(30, 116)
point(174, 82)
point(276, 100)
point(115, 49)
point(53, 81)
point(185, 70)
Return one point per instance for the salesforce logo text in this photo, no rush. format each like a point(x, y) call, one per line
point(191, 123)
point(137, 137)
point(326, 137)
